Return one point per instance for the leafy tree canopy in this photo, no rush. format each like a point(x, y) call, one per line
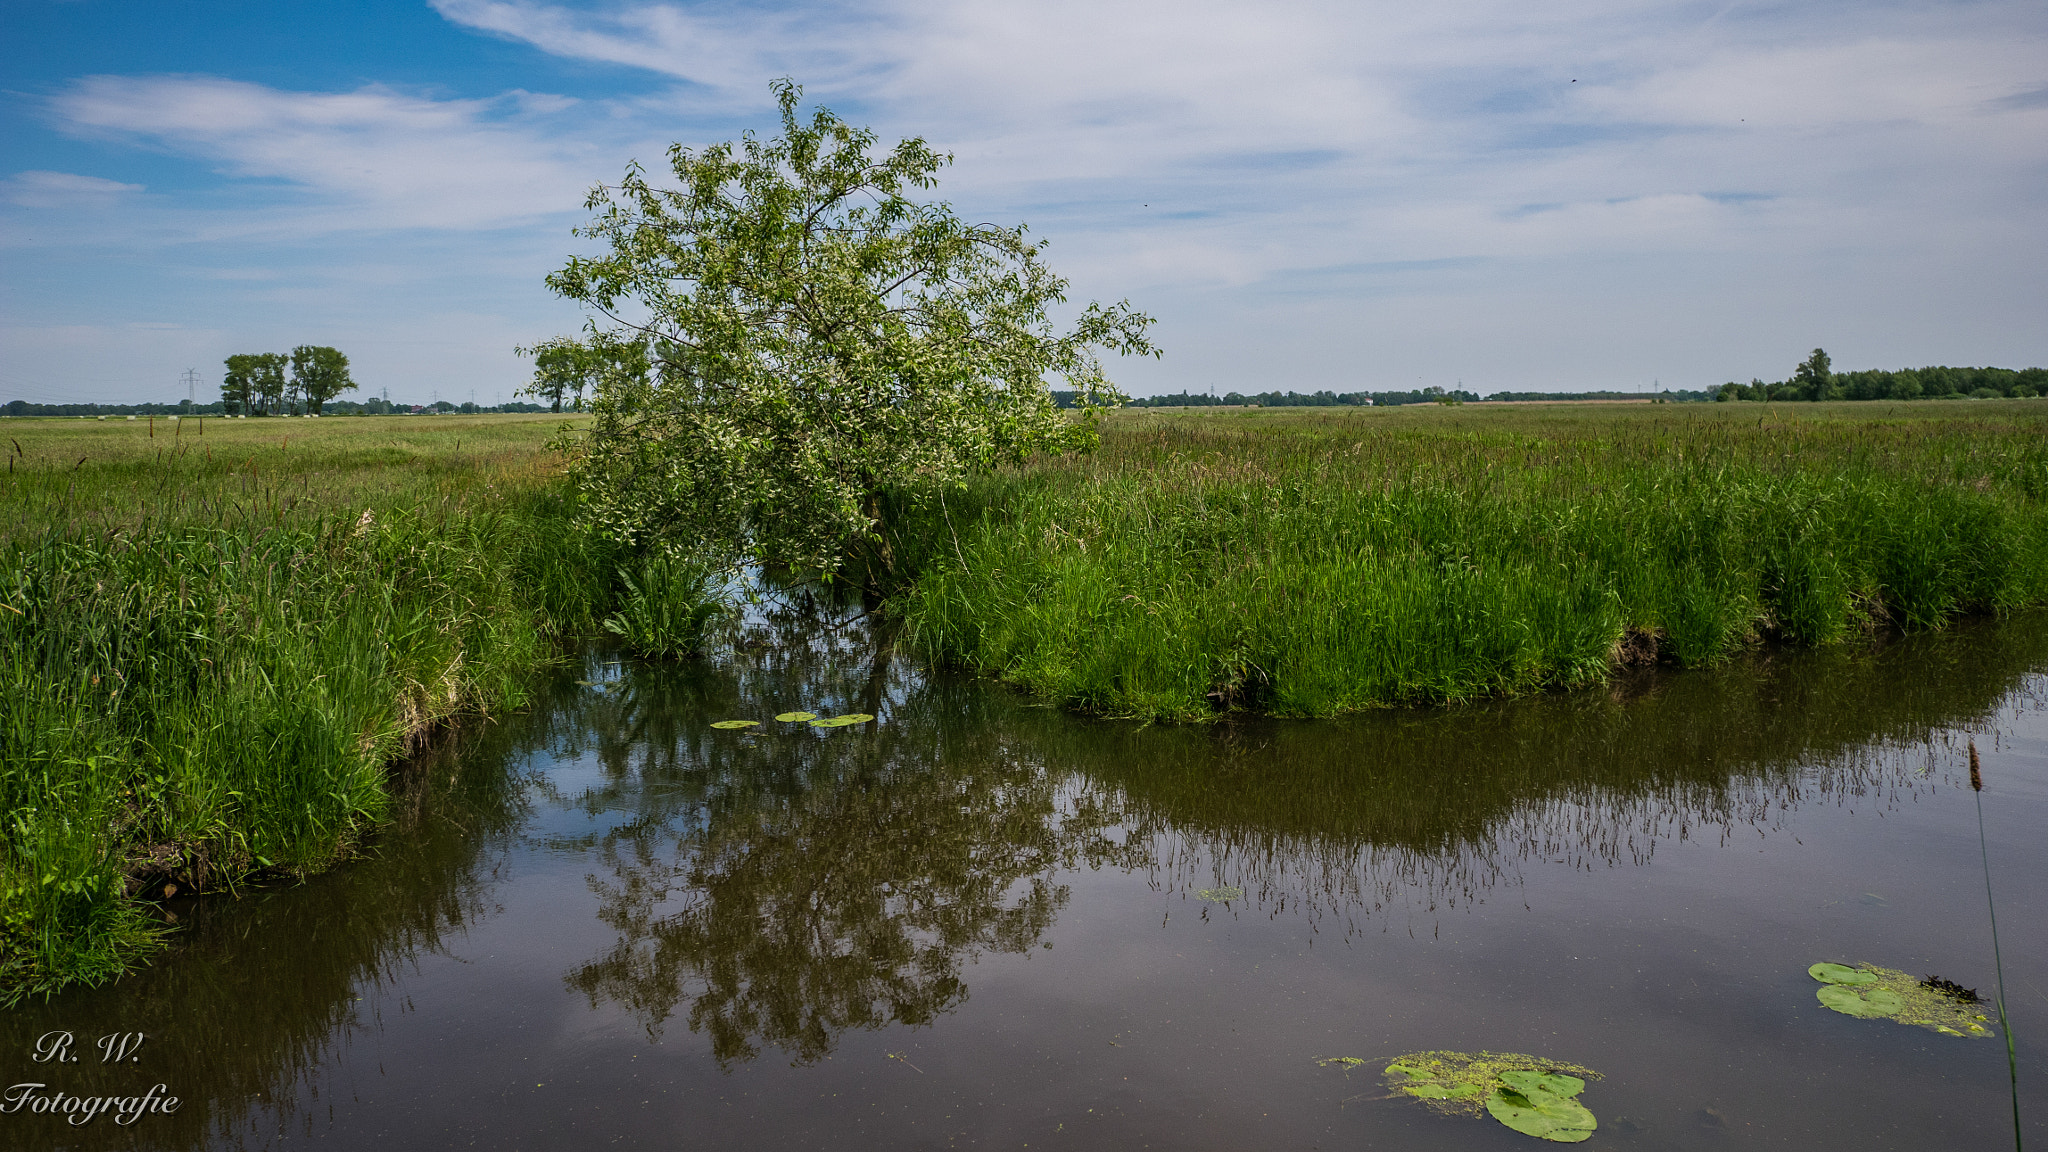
point(319, 374)
point(254, 383)
point(813, 337)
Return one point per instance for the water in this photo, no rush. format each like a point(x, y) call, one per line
point(978, 923)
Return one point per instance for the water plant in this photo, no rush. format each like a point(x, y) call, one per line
point(1873, 993)
point(1529, 1094)
point(2012, 1064)
point(667, 603)
point(846, 721)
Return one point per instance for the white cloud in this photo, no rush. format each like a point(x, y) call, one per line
point(34, 189)
point(372, 158)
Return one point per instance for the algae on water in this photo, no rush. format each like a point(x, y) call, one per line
point(1869, 992)
point(1531, 1095)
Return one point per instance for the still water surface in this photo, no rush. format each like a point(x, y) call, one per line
point(978, 923)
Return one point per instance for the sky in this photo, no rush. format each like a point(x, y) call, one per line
point(1366, 195)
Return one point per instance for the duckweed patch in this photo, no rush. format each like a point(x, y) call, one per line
point(1529, 1094)
point(1220, 895)
point(1869, 992)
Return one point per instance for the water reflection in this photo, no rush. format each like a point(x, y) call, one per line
point(785, 886)
point(1430, 810)
point(777, 891)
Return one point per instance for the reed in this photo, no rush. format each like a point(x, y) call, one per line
point(211, 651)
point(1308, 564)
point(2012, 1064)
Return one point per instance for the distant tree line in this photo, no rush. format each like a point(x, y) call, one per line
point(1814, 380)
point(371, 407)
point(1327, 399)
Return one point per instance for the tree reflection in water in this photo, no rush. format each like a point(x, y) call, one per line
point(786, 886)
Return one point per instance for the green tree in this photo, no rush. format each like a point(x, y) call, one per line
point(557, 367)
point(1812, 378)
point(565, 366)
point(815, 337)
point(254, 384)
point(319, 374)
point(238, 386)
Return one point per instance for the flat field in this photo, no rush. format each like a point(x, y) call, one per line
point(1314, 561)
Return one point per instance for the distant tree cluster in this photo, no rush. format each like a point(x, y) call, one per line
point(370, 407)
point(1327, 399)
point(1814, 380)
point(273, 383)
point(565, 367)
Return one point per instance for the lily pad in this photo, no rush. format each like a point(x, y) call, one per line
point(1553, 1083)
point(1869, 992)
point(1868, 1003)
point(1219, 895)
point(1531, 1095)
point(1840, 974)
point(795, 717)
point(1542, 1115)
point(1443, 1092)
point(843, 721)
point(732, 724)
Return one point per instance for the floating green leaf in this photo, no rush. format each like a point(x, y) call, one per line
point(1220, 895)
point(1440, 1092)
point(1869, 992)
point(731, 724)
point(843, 721)
point(795, 717)
point(1542, 1115)
point(1530, 1095)
point(1867, 1003)
point(1828, 973)
point(1524, 1081)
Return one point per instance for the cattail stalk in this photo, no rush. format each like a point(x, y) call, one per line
point(2012, 1064)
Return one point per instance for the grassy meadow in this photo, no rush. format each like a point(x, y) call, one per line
point(1309, 562)
point(215, 637)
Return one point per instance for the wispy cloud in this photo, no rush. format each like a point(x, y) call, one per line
point(371, 158)
point(62, 190)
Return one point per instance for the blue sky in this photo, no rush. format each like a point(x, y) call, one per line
point(1355, 195)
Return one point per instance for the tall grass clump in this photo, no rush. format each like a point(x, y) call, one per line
point(665, 604)
point(212, 650)
point(1309, 564)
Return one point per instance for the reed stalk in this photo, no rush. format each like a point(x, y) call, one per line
point(2012, 1064)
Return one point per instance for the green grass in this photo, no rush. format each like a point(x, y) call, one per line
point(213, 645)
point(1315, 562)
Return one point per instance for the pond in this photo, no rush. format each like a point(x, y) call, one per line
point(977, 922)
